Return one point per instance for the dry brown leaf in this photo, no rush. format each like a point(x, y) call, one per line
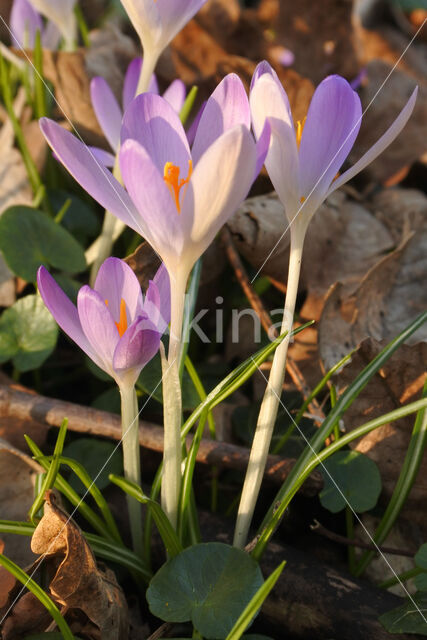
point(390, 296)
point(7, 583)
point(400, 210)
point(219, 17)
point(384, 106)
point(17, 478)
point(399, 382)
point(78, 583)
point(27, 616)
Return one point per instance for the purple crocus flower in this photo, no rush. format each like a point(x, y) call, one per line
point(113, 323)
point(25, 21)
point(61, 14)
point(176, 198)
point(303, 161)
point(110, 114)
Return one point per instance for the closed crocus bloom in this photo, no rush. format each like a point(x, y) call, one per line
point(110, 114)
point(157, 22)
point(24, 24)
point(61, 13)
point(113, 323)
point(304, 158)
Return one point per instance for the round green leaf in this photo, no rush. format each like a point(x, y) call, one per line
point(209, 584)
point(407, 618)
point(421, 581)
point(93, 455)
point(28, 333)
point(357, 478)
point(29, 238)
point(421, 557)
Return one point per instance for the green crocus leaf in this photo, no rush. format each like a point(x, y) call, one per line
point(28, 333)
point(358, 479)
point(207, 584)
point(29, 238)
point(410, 617)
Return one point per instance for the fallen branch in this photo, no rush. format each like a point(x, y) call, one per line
point(32, 407)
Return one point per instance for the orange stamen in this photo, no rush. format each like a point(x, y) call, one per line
point(122, 324)
point(300, 129)
point(171, 177)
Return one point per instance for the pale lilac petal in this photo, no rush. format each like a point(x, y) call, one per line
point(51, 36)
point(192, 129)
point(90, 174)
point(138, 345)
point(64, 312)
point(131, 81)
point(107, 110)
point(103, 157)
point(175, 94)
point(24, 24)
point(265, 69)
point(160, 219)
point(214, 195)
point(152, 122)
point(116, 282)
point(333, 122)
point(262, 147)
point(385, 140)
point(98, 326)
point(227, 107)
point(157, 303)
point(267, 102)
point(162, 282)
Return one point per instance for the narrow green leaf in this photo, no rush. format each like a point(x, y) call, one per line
point(188, 104)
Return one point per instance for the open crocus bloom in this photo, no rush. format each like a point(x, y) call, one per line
point(61, 13)
point(176, 199)
point(24, 24)
point(158, 21)
point(303, 161)
point(113, 323)
point(110, 114)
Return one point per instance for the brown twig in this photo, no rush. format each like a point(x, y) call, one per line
point(160, 632)
point(266, 322)
point(321, 530)
point(31, 407)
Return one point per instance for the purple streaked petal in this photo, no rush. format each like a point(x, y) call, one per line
point(116, 282)
point(214, 195)
point(103, 157)
point(90, 174)
point(262, 146)
point(227, 107)
point(160, 219)
point(333, 122)
point(175, 94)
point(98, 326)
point(107, 110)
point(64, 312)
point(192, 129)
point(381, 144)
point(152, 122)
point(24, 24)
point(131, 81)
point(138, 345)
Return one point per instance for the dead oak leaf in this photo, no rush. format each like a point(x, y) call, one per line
point(78, 584)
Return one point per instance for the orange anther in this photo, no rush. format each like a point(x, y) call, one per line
point(171, 177)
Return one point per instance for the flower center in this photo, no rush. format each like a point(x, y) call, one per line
point(122, 324)
point(300, 129)
point(174, 184)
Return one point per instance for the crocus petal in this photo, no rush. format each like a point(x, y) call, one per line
point(192, 129)
point(385, 140)
point(160, 221)
point(162, 282)
point(90, 174)
point(98, 326)
point(156, 126)
point(51, 36)
point(262, 147)
point(131, 81)
point(227, 107)
point(107, 110)
point(138, 345)
point(333, 122)
point(220, 182)
point(116, 282)
point(103, 157)
point(24, 24)
point(157, 303)
point(64, 312)
point(175, 94)
point(267, 102)
point(61, 12)
point(264, 68)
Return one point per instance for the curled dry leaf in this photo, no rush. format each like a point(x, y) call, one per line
point(399, 382)
point(7, 583)
point(400, 210)
point(78, 583)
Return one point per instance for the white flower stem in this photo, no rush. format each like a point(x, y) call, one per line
point(131, 460)
point(172, 405)
point(270, 404)
point(148, 67)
